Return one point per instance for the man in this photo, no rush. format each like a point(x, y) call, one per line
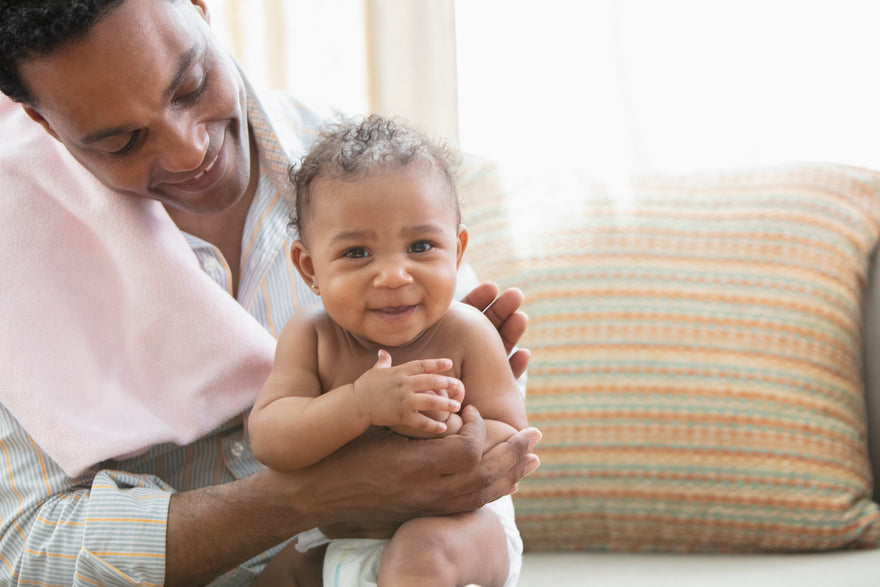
point(141, 96)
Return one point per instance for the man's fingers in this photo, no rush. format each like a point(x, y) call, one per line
point(513, 329)
point(519, 362)
point(469, 444)
point(504, 313)
point(504, 306)
point(515, 461)
point(481, 296)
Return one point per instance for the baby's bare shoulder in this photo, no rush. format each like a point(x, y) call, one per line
point(466, 322)
point(309, 323)
point(313, 317)
point(463, 313)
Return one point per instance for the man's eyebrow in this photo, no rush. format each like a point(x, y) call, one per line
point(183, 64)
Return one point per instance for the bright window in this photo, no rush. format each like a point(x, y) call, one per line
point(615, 86)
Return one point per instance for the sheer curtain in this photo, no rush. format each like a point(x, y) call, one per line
point(391, 56)
point(608, 87)
point(620, 86)
point(315, 48)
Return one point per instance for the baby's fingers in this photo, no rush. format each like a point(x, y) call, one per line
point(429, 402)
point(426, 424)
point(453, 387)
point(426, 366)
point(456, 392)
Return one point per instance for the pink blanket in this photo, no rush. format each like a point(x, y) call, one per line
point(113, 339)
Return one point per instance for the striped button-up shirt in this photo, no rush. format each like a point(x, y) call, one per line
point(108, 527)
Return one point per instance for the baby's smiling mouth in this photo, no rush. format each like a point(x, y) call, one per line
point(394, 311)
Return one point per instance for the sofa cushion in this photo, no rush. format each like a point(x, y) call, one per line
point(871, 362)
point(696, 356)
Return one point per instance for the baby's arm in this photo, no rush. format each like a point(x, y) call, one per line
point(488, 380)
point(294, 425)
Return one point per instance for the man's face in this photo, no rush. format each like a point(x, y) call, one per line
point(150, 105)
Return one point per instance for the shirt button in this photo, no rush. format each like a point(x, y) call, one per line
point(210, 265)
point(236, 449)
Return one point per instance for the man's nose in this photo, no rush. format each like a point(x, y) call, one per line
point(392, 273)
point(184, 145)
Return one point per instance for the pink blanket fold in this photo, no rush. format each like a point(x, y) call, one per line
point(113, 340)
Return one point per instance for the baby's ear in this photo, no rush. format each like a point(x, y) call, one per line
point(302, 260)
point(461, 245)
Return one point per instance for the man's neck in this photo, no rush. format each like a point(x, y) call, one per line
point(224, 229)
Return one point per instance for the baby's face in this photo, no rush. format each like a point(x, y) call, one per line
point(385, 251)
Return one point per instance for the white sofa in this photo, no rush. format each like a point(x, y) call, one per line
point(705, 351)
point(828, 569)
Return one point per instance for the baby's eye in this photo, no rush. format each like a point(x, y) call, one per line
point(356, 253)
point(420, 247)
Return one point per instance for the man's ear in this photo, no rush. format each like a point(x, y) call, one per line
point(461, 245)
point(40, 119)
point(302, 260)
point(202, 7)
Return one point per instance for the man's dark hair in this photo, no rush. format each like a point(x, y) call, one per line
point(352, 149)
point(34, 28)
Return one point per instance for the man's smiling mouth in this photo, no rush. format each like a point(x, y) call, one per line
point(209, 167)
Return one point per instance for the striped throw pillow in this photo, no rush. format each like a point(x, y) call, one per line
point(696, 356)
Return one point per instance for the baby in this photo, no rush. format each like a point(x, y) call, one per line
point(381, 241)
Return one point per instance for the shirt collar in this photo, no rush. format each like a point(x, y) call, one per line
point(275, 158)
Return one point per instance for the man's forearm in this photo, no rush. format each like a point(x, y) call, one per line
point(215, 529)
point(375, 482)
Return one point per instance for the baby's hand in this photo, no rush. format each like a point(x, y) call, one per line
point(399, 396)
point(435, 415)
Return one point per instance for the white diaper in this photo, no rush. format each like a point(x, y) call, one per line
point(354, 562)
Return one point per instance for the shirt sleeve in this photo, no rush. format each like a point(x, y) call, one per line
point(58, 531)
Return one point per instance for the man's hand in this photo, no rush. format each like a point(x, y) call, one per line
point(503, 311)
point(382, 479)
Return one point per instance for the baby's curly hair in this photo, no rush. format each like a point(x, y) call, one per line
point(35, 29)
point(352, 149)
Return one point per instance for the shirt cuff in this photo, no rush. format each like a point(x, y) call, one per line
point(124, 531)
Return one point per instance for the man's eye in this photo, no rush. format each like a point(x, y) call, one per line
point(356, 253)
point(128, 146)
point(194, 95)
point(420, 247)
